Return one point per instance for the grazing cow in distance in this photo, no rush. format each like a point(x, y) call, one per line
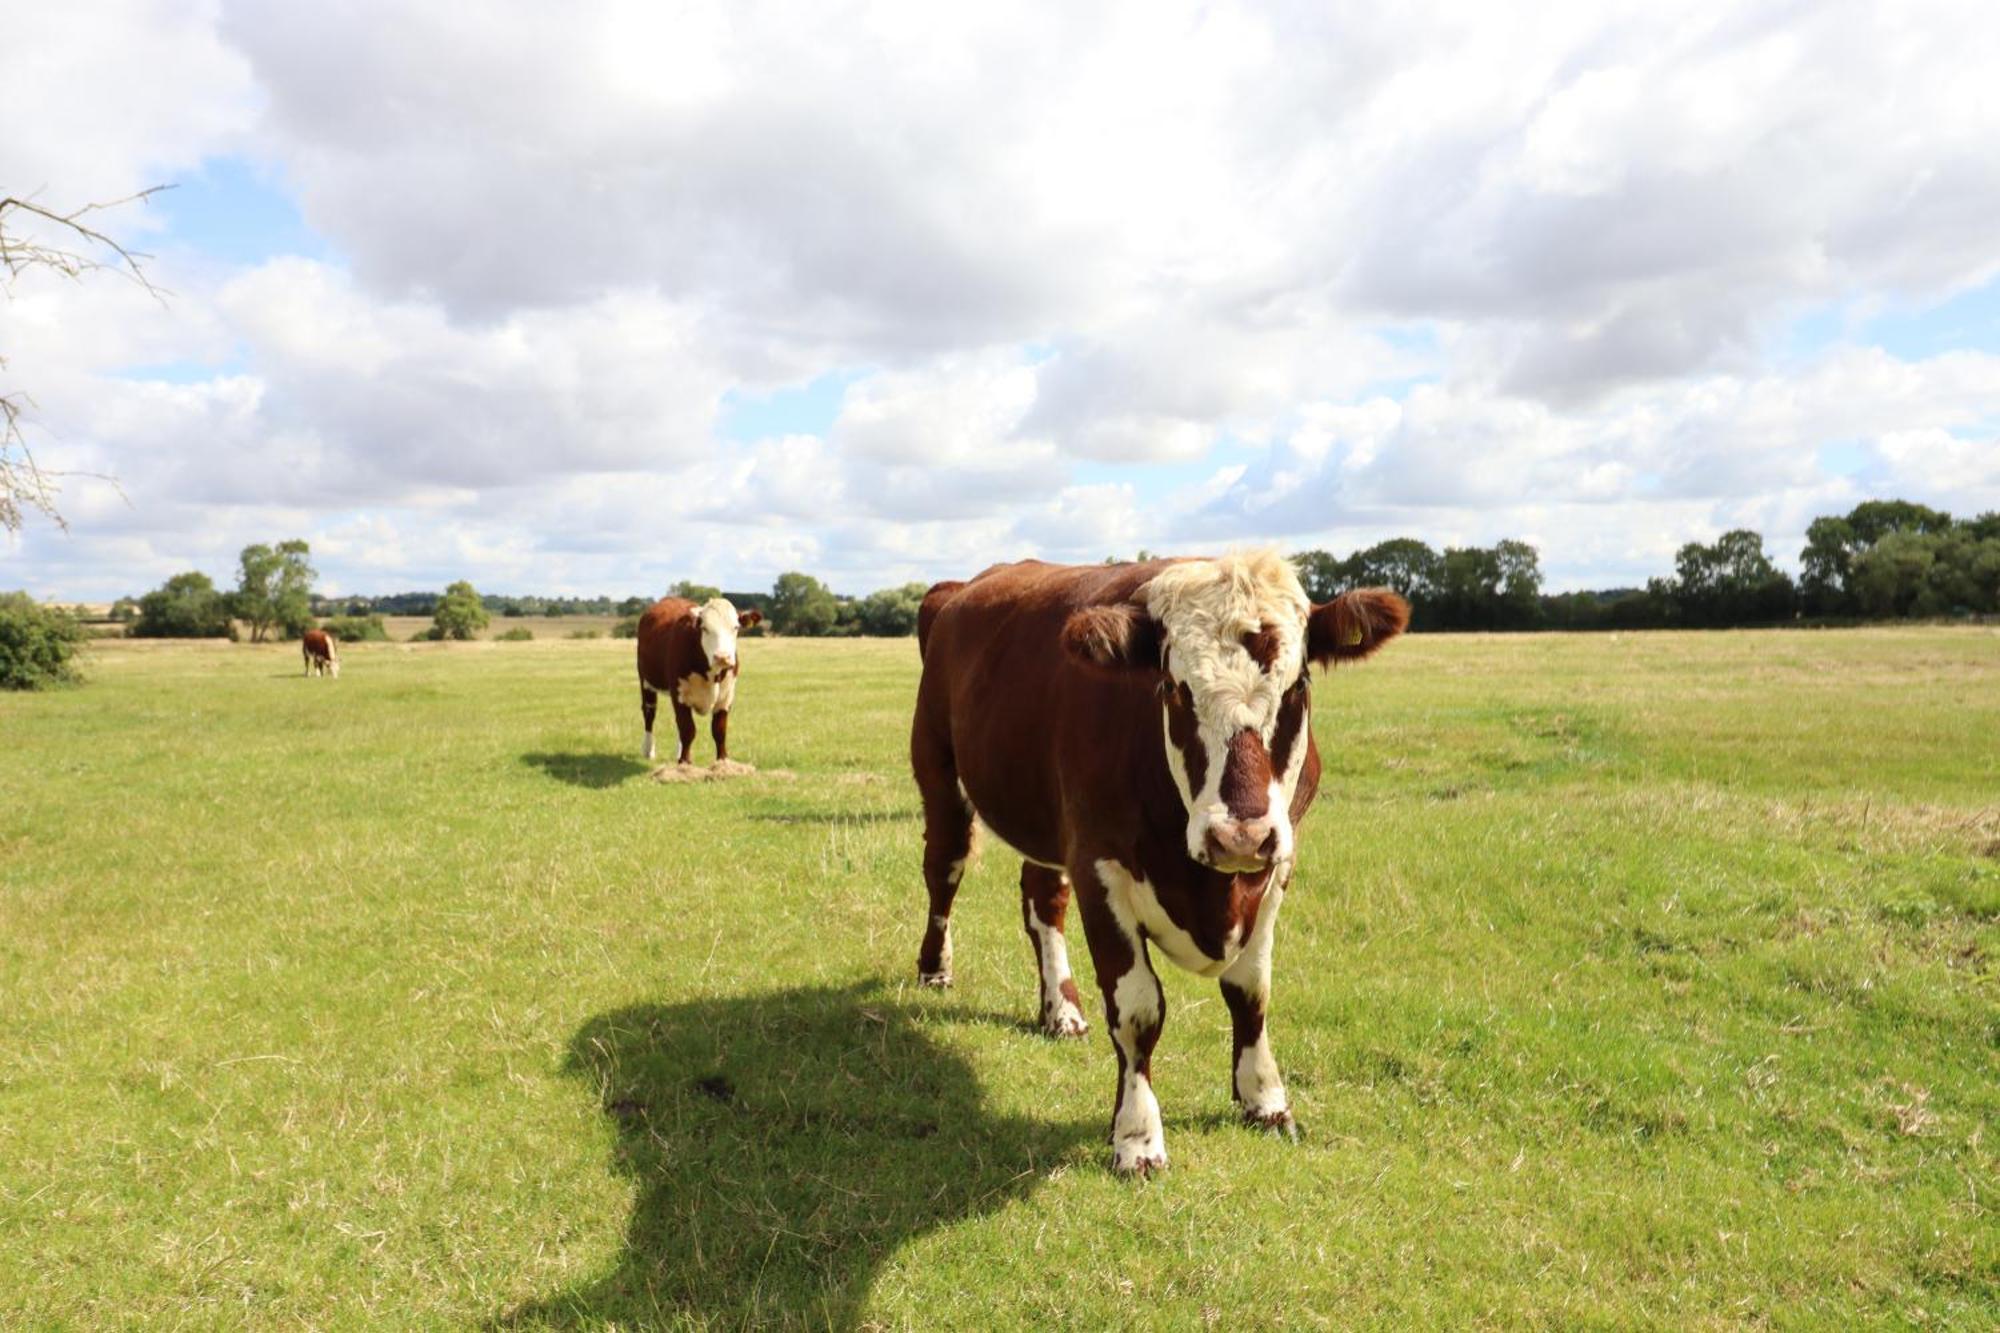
point(689, 653)
point(318, 647)
point(1142, 735)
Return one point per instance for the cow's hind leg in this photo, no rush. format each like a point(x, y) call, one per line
point(947, 847)
point(684, 724)
point(1134, 1010)
point(1246, 989)
point(649, 705)
point(1044, 903)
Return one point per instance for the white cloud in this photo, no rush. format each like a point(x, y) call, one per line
point(1469, 272)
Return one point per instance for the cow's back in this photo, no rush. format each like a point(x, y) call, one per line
point(1033, 734)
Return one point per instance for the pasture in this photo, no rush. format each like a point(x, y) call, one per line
point(1641, 980)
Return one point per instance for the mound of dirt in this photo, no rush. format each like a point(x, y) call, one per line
point(728, 768)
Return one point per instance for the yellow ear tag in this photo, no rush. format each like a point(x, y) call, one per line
point(1351, 636)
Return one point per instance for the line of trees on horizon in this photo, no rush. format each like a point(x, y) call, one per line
point(1883, 560)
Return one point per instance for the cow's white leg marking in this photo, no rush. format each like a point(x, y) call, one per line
point(1138, 1141)
point(1135, 1011)
point(1045, 897)
point(1060, 1016)
point(649, 745)
point(1246, 989)
point(941, 924)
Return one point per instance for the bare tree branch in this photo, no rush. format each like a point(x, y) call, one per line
point(18, 254)
point(25, 487)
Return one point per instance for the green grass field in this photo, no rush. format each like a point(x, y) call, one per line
point(1627, 981)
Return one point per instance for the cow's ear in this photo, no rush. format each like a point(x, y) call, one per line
point(1354, 624)
point(1113, 638)
point(749, 618)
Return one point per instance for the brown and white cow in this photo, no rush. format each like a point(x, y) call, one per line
point(688, 652)
point(1139, 733)
point(317, 645)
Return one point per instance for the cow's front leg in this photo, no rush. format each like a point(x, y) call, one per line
point(718, 731)
point(1246, 989)
point(1134, 1013)
point(684, 724)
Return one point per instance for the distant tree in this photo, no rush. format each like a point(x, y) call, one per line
point(460, 614)
point(891, 612)
point(1403, 563)
point(274, 589)
point(1520, 591)
point(125, 610)
point(1319, 574)
point(1894, 575)
point(694, 592)
point(1468, 596)
point(1826, 565)
point(1963, 573)
point(1731, 582)
point(37, 643)
point(801, 604)
point(632, 606)
point(1835, 546)
point(627, 627)
point(186, 606)
point(1872, 520)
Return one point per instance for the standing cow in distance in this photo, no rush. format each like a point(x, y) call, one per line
point(689, 653)
point(317, 645)
point(1142, 735)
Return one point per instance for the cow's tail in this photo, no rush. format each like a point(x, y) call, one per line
point(933, 603)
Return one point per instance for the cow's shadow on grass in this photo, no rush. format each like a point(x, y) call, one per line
point(783, 1146)
point(587, 770)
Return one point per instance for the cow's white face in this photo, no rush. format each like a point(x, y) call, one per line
point(719, 623)
point(1234, 696)
point(1228, 642)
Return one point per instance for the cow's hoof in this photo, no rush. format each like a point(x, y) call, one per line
point(935, 980)
point(1278, 1124)
point(1064, 1021)
point(1139, 1160)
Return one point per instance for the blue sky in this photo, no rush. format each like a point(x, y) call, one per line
point(608, 298)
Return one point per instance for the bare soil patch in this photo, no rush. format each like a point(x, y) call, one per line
point(728, 768)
